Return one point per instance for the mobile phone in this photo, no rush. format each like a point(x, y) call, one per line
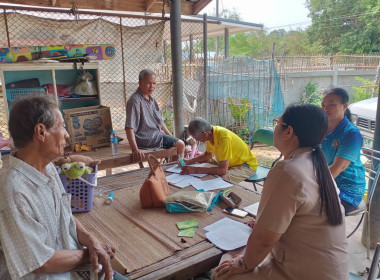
point(235, 212)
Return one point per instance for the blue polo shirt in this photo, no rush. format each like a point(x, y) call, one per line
point(345, 141)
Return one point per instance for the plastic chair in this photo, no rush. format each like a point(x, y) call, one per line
point(262, 136)
point(364, 206)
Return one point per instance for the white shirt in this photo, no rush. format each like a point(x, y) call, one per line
point(35, 220)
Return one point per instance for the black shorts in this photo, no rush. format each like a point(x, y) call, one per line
point(168, 141)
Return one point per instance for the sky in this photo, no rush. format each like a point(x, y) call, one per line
point(274, 14)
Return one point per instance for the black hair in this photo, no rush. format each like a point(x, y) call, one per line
point(310, 124)
point(344, 98)
point(28, 112)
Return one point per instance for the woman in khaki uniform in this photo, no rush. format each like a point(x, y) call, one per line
point(299, 232)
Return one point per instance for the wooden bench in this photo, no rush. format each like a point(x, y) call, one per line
point(109, 161)
point(124, 157)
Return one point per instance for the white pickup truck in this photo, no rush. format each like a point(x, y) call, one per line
point(364, 117)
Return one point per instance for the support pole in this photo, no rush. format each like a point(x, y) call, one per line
point(374, 211)
point(335, 76)
point(165, 52)
point(191, 57)
point(123, 62)
point(205, 63)
point(177, 81)
point(226, 42)
point(6, 28)
point(217, 38)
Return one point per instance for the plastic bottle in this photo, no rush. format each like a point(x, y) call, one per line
point(109, 199)
point(114, 143)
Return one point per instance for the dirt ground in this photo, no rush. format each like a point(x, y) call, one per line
point(265, 154)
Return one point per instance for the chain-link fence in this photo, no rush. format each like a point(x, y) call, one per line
point(139, 43)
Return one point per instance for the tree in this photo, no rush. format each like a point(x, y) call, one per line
point(345, 26)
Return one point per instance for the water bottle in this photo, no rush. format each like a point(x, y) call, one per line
point(114, 143)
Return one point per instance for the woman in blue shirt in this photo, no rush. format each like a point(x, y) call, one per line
point(342, 149)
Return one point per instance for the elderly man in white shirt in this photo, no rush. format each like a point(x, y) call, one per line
point(39, 237)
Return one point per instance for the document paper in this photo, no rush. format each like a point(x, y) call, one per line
point(181, 181)
point(209, 185)
point(228, 234)
point(252, 209)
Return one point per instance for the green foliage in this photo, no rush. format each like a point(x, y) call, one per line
point(239, 111)
point(244, 134)
point(168, 116)
point(312, 94)
point(345, 26)
point(348, 26)
point(362, 93)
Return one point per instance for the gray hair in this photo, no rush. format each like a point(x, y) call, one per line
point(145, 72)
point(28, 112)
point(199, 125)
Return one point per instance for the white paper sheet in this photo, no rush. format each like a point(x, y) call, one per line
point(228, 234)
point(227, 222)
point(203, 164)
point(252, 209)
point(177, 169)
point(181, 181)
point(209, 185)
point(175, 178)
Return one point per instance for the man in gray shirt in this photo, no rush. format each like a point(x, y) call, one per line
point(144, 124)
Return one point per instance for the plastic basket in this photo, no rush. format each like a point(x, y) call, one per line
point(15, 94)
point(82, 194)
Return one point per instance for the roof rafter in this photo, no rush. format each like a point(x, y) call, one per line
point(149, 4)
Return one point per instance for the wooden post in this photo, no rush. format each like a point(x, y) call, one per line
point(123, 64)
point(6, 28)
point(376, 80)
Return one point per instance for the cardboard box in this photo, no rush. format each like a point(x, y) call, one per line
point(90, 126)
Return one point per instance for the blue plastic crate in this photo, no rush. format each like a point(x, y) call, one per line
point(15, 94)
point(82, 194)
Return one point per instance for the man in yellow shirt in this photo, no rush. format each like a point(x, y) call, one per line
point(235, 160)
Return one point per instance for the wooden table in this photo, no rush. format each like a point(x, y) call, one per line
point(191, 259)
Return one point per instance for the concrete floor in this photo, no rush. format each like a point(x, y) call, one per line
point(358, 262)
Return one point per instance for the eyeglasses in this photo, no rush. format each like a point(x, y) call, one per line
point(277, 121)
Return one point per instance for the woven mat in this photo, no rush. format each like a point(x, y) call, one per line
point(145, 236)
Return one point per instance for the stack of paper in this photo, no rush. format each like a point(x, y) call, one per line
point(183, 181)
point(228, 234)
point(209, 185)
point(177, 169)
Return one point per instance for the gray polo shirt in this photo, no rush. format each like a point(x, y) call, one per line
point(35, 220)
point(145, 118)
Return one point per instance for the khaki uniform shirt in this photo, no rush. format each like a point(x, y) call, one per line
point(309, 248)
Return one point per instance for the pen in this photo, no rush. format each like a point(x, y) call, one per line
point(227, 191)
point(181, 160)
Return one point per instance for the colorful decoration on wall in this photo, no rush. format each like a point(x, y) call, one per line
point(57, 52)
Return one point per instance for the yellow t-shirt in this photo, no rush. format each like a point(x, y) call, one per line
point(229, 146)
